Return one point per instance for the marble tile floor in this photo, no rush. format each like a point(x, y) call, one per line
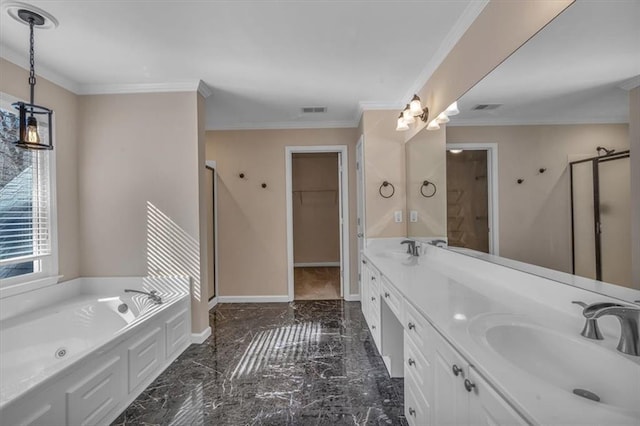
point(313, 283)
point(299, 363)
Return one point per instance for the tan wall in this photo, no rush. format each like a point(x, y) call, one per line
point(13, 81)
point(252, 238)
point(316, 231)
point(426, 160)
point(634, 138)
point(140, 175)
point(384, 159)
point(535, 217)
point(500, 29)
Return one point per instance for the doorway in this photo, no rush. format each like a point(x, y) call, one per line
point(472, 205)
point(317, 222)
point(212, 232)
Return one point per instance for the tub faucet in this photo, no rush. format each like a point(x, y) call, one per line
point(411, 247)
point(153, 295)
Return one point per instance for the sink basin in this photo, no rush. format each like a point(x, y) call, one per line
point(561, 360)
point(400, 255)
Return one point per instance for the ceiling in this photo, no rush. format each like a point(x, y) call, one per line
point(578, 69)
point(262, 60)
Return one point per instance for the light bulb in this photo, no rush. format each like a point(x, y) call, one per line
point(433, 125)
point(32, 130)
point(402, 125)
point(452, 109)
point(442, 118)
point(455, 151)
point(415, 106)
point(407, 116)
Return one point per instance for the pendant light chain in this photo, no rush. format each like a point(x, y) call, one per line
point(32, 73)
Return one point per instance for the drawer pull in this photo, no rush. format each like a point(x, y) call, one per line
point(411, 326)
point(386, 294)
point(456, 370)
point(373, 327)
point(412, 412)
point(364, 262)
point(469, 385)
point(411, 362)
point(373, 278)
point(373, 298)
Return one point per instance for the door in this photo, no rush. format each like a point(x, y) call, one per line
point(450, 400)
point(360, 206)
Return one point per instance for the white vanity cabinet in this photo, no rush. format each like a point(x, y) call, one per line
point(371, 299)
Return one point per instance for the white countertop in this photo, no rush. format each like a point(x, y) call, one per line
point(450, 290)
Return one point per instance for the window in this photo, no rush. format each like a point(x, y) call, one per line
point(26, 231)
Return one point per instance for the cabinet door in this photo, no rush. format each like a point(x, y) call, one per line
point(487, 407)
point(450, 399)
point(364, 283)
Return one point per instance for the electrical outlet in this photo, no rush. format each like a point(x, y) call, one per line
point(397, 216)
point(413, 216)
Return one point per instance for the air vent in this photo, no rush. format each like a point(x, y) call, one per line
point(314, 109)
point(485, 107)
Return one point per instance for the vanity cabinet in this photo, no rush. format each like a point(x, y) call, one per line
point(370, 302)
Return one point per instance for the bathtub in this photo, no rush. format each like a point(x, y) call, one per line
point(80, 352)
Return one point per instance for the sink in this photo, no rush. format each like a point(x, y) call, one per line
point(395, 254)
point(571, 363)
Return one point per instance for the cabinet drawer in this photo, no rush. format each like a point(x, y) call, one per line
point(419, 330)
point(374, 282)
point(374, 327)
point(416, 408)
point(393, 298)
point(417, 365)
point(374, 303)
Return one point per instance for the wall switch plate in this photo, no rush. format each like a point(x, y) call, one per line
point(413, 216)
point(397, 216)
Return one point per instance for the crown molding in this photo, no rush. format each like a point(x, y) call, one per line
point(630, 84)
point(287, 125)
point(116, 89)
point(470, 13)
point(204, 89)
point(43, 71)
point(537, 122)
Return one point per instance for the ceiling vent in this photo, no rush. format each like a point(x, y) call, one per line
point(314, 109)
point(486, 107)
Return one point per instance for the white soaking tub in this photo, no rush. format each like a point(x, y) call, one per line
point(79, 352)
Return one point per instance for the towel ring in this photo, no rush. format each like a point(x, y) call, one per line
point(426, 184)
point(384, 185)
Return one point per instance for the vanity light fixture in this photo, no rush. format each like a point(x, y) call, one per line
point(412, 111)
point(35, 133)
point(407, 115)
point(455, 151)
point(402, 125)
point(433, 125)
point(452, 109)
point(442, 118)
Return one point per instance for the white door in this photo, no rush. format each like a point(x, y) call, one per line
point(450, 400)
point(360, 206)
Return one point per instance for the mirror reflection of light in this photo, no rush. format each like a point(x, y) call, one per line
point(277, 347)
point(460, 317)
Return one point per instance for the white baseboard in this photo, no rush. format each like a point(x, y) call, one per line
point(253, 299)
point(213, 302)
point(352, 297)
point(315, 264)
point(198, 338)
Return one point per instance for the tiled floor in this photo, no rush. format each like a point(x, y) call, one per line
point(301, 363)
point(317, 283)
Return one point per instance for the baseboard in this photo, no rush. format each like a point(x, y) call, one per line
point(352, 297)
point(316, 264)
point(253, 299)
point(213, 302)
point(199, 338)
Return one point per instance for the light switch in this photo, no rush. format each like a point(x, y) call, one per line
point(397, 216)
point(413, 216)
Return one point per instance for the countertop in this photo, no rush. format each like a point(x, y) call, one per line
point(446, 288)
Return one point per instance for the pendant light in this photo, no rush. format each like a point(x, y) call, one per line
point(36, 130)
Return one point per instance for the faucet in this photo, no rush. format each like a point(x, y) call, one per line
point(153, 295)
point(411, 247)
point(437, 242)
point(629, 317)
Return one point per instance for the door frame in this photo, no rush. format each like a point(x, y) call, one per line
point(211, 165)
point(492, 188)
point(343, 189)
point(360, 212)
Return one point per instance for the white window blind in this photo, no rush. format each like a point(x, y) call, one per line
point(25, 231)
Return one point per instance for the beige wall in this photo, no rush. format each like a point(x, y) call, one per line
point(426, 160)
point(634, 138)
point(316, 231)
point(535, 217)
point(252, 237)
point(500, 29)
point(384, 160)
point(140, 178)
point(13, 81)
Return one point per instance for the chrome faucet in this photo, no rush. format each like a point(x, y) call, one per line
point(629, 317)
point(437, 242)
point(412, 249)
point(153, 295)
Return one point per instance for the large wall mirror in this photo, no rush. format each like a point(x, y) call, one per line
point(537, 161)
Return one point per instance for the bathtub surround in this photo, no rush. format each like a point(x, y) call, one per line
point(327, 372)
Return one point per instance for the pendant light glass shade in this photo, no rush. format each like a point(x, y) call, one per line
point(442, 118)
point(452, 109)
point(402, 125)
point(408, 116)
point(415, 106)
point(433, 125)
